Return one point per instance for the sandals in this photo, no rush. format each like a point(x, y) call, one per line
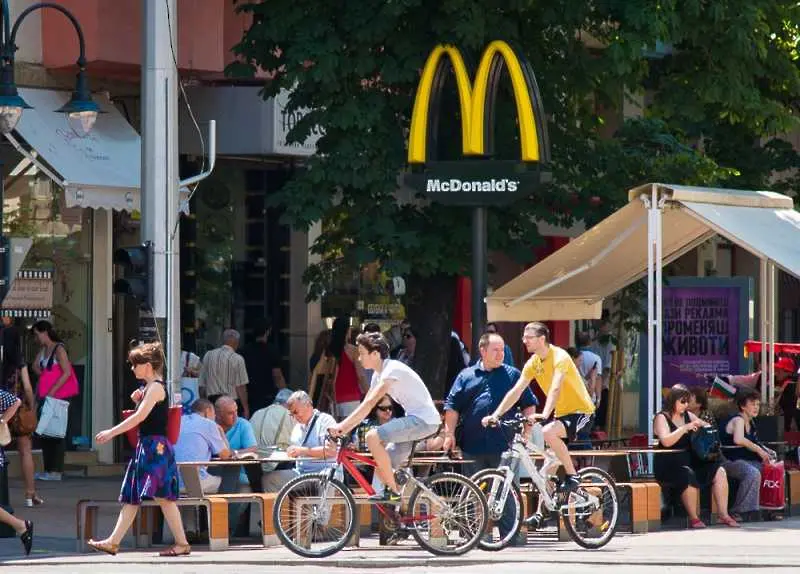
point(103, 546)
point(696, 523)
point(27, 537)
point(177, 550)
point(728, 521)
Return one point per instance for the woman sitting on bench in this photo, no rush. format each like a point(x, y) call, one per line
point(681, 470)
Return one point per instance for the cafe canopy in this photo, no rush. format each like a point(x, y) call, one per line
point(660, 223)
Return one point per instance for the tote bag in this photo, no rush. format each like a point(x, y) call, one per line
point(771, 495)
point(53, 419)
point(173, 425)
point(51, 373)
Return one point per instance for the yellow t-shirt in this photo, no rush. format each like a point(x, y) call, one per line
point(574, 398)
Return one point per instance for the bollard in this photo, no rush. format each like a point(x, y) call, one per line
point(5, 530)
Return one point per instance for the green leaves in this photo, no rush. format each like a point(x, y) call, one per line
point(718, 77)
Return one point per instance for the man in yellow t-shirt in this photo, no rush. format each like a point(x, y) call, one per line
point(557, 375)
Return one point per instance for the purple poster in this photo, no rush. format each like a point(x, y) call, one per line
point(701, 333)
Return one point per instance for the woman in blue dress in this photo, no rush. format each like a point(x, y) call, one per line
point(152, 472)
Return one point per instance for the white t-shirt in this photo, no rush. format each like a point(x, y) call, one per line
point(316, 437)
point(408, 390)
point(590, 359)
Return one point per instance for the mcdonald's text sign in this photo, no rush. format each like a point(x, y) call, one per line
point(477, 178)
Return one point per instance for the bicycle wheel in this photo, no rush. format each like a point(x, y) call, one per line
point(491, 481)
point(449, 513)
point(314, 516)
point(591, 512)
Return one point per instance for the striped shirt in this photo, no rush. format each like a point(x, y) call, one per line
point(222, 371)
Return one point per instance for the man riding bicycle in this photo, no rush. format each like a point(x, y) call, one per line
point(557, 375)
point(400, 382)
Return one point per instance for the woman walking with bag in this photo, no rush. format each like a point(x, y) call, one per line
point(56, 380)
point(9, 405)
point(16, 381)
point(152, 472)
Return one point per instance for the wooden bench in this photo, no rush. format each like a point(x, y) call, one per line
point(643, 501)
point(146, 522)
point(793, 492)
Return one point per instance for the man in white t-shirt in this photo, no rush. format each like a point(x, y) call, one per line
point(590, 367)
point(400, 382)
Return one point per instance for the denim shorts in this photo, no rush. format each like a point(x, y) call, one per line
point(400, 433)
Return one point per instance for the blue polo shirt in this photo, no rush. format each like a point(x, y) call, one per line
point(475, 394)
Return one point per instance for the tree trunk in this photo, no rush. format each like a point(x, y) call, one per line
point(430, 312)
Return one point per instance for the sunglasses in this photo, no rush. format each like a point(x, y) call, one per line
point(683, 401)
point(385, 408)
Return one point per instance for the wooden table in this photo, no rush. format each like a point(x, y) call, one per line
point(190, 470)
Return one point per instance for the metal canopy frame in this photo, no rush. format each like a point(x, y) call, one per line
point(655, 203)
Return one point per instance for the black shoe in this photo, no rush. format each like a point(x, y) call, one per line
point(388, 496)
point(569, 485)
point(27, 537)
point(535, 521)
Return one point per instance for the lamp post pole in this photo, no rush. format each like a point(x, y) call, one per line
point(81, 114)
point(160, 172)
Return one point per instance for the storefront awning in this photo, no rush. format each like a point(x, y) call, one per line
point(101, 170)
point(572, 282)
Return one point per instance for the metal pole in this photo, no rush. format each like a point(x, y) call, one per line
point(659, 327)
point(160, 168)
point(479, 275)
point(649, 203)
point(762, 329)
point(771, 329)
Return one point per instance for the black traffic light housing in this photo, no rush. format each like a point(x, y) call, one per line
point(137, 278)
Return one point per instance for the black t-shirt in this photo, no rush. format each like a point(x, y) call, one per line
point(259, 359)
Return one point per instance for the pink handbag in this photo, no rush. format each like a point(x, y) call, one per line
point(51, 373)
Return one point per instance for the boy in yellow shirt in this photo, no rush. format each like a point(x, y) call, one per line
point(557, 375)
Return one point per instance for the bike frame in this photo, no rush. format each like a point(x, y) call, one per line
point(519, 453)
point(347, 459)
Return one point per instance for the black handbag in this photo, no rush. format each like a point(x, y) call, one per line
point(705, 444)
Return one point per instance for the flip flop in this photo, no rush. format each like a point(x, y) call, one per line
point(174, 551)
point(27, 537)
point(103, 546)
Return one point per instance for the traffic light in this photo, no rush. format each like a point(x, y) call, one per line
point(137, 278)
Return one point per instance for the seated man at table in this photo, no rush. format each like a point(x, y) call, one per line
point(308, 440)
point(201, 438)
point(273, 426)
point(241, 439)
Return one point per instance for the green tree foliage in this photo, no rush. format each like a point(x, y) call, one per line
point(718, 77)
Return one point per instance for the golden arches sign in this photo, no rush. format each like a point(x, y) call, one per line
point(477, 103)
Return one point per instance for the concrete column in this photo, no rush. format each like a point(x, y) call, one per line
point(102, 357)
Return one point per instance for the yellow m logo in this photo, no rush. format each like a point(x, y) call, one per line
point(477, 103)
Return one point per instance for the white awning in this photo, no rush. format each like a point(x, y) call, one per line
point(572, 282)
point(101, 170)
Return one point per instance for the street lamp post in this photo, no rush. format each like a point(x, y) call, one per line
point(81, 112)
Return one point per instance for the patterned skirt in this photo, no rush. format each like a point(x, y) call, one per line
point(152, 472)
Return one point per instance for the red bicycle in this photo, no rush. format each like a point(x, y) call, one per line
point(315, 514)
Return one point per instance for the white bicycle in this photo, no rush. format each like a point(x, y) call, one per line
point(589, 513)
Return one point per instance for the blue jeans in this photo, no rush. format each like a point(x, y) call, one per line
point(484, 461)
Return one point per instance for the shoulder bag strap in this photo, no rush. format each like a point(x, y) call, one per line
point(310, 428)
point(51, 360)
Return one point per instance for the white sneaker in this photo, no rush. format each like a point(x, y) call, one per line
point(41, 475)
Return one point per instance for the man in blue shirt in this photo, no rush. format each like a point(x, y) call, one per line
point(241, 439)
point(200, 439)
point(475, 394)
